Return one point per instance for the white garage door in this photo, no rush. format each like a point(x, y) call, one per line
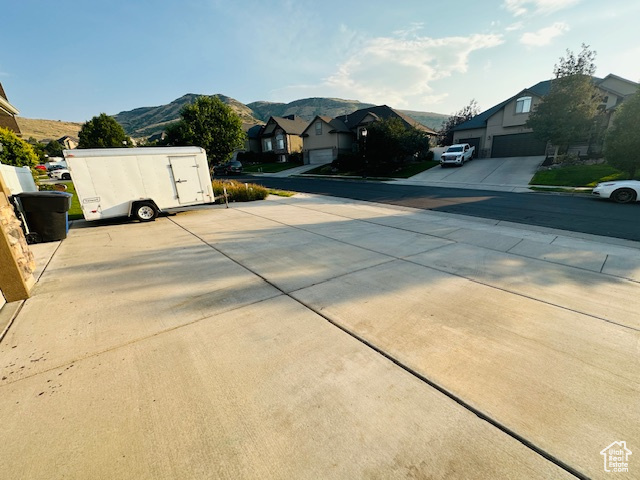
point(320, 157)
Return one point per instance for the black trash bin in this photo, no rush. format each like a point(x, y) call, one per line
point(46, 214)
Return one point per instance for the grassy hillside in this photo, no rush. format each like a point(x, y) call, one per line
point(146, 121)
point(47, 129)
point(428, 119)
point(307, 108)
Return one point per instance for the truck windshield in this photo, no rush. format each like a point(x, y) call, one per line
point(454, 149)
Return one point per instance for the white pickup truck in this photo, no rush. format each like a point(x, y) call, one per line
point(457, 154)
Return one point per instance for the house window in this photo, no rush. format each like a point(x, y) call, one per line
point(280, 141)
point(267, 145)
point(523, 105)
point(318, 128)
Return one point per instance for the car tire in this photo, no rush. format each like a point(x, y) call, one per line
point(623, 195)
point(66, 176)
point(145, 211)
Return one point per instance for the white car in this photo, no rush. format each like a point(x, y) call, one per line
point(622, 191)
point(60, 174)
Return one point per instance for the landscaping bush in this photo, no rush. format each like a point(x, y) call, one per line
point(248, 157)
point(347, 162)
point(238, 191)
point(296, 157)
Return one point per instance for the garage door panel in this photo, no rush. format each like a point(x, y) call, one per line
point(517, 145)
point(321, 156)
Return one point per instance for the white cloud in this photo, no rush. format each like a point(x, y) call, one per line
point(544, 36)
point(522, 7)
point(515, 26)
point(399, 71)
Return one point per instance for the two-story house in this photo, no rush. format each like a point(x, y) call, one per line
point(501, 132)
point(281, 135)
point(325, 138)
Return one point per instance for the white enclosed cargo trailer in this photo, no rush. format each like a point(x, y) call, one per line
point(139, 182)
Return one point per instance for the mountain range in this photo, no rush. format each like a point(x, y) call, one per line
point(145, 121)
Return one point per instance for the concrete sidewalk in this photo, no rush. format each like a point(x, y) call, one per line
point(312, 337)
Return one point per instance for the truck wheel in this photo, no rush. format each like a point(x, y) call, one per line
point(624, 195)
point(145, 211)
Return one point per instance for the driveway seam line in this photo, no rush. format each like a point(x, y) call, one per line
point(467, 406)
point(406, 259)
point(503, 428)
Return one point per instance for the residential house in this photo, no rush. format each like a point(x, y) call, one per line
point(253, 142)
point(8, 114)
point(325, 138)
point(69, 143)
point(501, 132)
point(281, 135)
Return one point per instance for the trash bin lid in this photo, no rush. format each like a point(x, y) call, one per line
point(45, 201)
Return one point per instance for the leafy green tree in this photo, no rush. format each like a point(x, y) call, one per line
point(103, 131)
point(16, 151)
point(568, 113)
point(622, 144)
point(445, 135)
point(211, 124)
point(391, 144)
point(54, 149)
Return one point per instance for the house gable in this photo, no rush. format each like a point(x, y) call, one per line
point(8, 113)
point(324, 132)
point(282, 135)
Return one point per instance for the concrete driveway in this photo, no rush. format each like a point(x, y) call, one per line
point(313, 337)
point(494, 173)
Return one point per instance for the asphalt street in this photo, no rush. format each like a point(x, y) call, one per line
point(577, 213)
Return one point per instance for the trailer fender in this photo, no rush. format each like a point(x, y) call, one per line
point(144, 210)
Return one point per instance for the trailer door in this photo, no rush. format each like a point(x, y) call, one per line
point(187, 180)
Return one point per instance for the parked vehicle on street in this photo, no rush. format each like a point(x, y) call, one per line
point(457, 154)
point(54, 164)
point(139, 182)
point(60, 174)
point(621, 191)
point(41, 167)
point(233, 167)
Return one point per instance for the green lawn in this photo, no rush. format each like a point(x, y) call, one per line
point(413, 169)
point(405, 172)
point(270, 167)
point(75, 212)
point(577, 176)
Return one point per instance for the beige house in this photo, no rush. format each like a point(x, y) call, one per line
point(281, 135)
point(69, 143)
point(325, 138)
point(8, 114)
point(500, 131)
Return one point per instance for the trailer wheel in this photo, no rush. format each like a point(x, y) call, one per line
point(145, 211)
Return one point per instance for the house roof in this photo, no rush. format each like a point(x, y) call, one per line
point(337, 125)
point(540, 89)
point(7, 113)
point(291, 125)
point(252, 130)
point(383, 112)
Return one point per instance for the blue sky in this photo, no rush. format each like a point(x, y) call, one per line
point(73, 59)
